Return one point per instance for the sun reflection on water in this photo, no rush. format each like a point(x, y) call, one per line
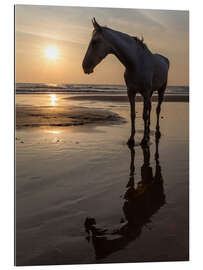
point(53, 100)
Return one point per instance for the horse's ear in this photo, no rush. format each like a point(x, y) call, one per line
point(97, 27)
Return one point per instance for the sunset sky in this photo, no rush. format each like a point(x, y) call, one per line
point(51, 42)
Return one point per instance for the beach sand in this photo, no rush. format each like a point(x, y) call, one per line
point(66, 172)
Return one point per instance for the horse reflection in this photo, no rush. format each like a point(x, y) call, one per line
point(141, 202)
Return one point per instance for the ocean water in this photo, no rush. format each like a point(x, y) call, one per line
point(26, 88)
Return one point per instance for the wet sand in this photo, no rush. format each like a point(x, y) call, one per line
point(33, 116)
point(65, 174)
point(122, 98)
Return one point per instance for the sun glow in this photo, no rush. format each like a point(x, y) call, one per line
point(53, 100)
point(51, 52)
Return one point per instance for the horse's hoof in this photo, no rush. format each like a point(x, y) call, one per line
point(131, 142)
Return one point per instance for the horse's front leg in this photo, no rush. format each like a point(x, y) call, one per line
point(149, 115)
point(146, 118)
point(131, 97)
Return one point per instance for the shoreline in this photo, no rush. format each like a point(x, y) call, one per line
point(73, 114)
point(124, 98)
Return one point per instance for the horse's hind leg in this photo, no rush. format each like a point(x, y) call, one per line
point(149, 114)
point(161, 92)
point(131, 96)
point(146, 118)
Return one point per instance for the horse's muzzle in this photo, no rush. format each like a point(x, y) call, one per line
point(88, 71)
point(87, 67)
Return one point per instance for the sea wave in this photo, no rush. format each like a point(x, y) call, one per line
point(31, 88)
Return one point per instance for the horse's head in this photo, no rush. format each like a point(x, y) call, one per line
point(97, 50)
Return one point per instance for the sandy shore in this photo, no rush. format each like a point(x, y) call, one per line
point(66, 173)
point(122, 98)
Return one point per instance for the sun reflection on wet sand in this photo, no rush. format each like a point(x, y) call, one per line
point(53, 131)
point(53, 100)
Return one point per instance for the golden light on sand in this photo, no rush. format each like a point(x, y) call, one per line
point(51, 52)
point(53, 99)
point(53, 131)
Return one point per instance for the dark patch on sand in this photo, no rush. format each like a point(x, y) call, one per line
point(63, 116)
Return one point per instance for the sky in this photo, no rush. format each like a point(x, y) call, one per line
point(51, 41)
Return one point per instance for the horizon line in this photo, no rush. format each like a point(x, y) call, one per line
point(91, 84)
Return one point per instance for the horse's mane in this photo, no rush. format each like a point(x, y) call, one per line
point(140, 42)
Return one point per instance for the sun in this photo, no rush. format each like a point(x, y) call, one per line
point(51, 52)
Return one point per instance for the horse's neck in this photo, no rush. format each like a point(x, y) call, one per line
point(123, 46)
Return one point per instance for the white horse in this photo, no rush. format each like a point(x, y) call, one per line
point(145, 72)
